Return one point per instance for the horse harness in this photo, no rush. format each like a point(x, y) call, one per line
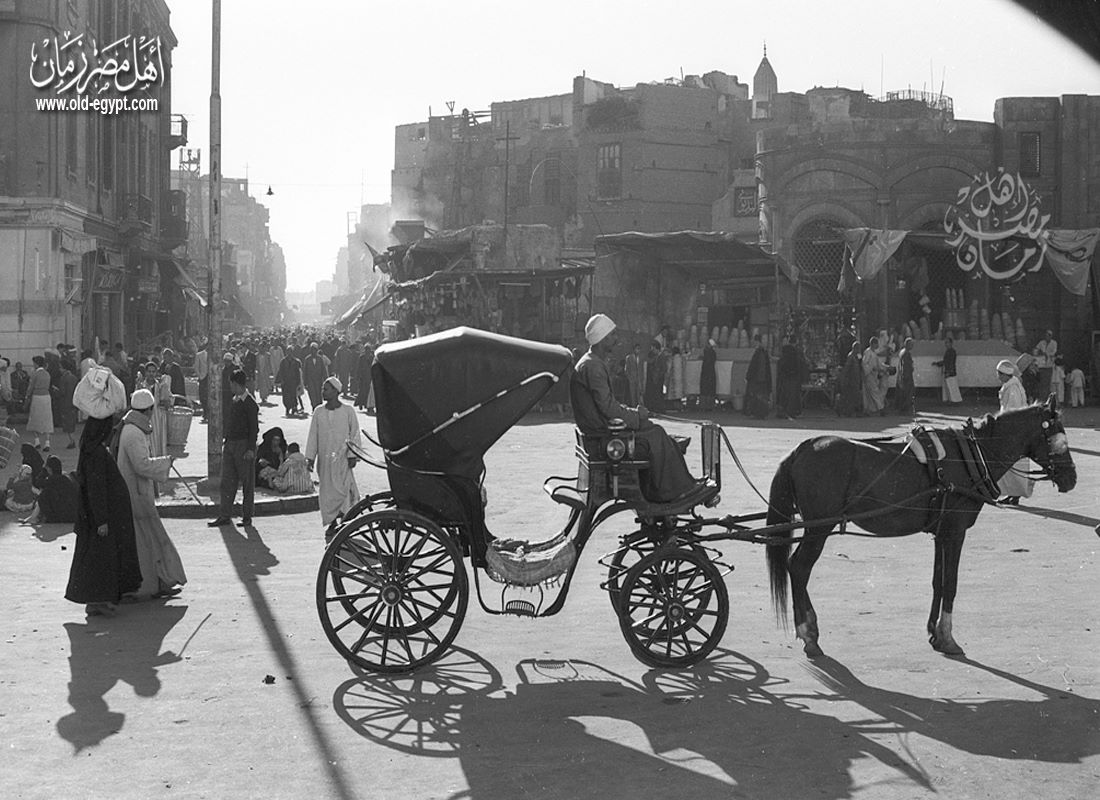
point(927, 447)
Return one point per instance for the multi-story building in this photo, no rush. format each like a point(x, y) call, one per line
point(253, 273)
point(87, 218)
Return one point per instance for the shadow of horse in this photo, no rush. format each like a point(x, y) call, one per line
point(1058, 727)
point(574, 729)
point(124, 648)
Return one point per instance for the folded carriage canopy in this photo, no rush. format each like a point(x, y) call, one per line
point(444, 399)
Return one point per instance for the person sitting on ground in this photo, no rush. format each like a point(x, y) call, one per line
point(58, 496)
point(270, 455)
point(667, 479)
point(21, 496)
point(293, 476)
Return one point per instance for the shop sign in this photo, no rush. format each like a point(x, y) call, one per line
point(108, 279)
point(148, 285)
point(744, 201)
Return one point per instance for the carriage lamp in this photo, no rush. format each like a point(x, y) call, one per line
point(616, 449)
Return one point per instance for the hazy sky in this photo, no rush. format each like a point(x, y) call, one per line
point(311, 92)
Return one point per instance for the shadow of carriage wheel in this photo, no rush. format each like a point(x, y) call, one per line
point(416, 713)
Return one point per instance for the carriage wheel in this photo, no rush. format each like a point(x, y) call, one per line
point(673, 608)
point(392, 591)
point(372, 502)
point(630, 553)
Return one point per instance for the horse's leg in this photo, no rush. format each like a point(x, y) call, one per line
point(802, 564)
point(943, 640)
point(937, 589)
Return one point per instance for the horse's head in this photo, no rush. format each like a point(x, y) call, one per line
point(1048, 445)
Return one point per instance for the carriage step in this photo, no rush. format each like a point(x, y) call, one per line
point(521, 608)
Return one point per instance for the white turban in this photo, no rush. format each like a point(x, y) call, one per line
point(1006, 367)
point(335, 382)
point(597, 328)
point(141, 399)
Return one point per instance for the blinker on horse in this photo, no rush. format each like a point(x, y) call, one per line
point(888, 493)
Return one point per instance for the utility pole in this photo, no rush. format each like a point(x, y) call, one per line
point(214, 294)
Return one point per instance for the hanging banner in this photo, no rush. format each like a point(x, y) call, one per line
point(1069, 254)
point(997, 225)
point(866, 252)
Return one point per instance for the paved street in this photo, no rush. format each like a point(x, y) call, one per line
point(174, 698)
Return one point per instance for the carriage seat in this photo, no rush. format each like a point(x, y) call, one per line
point(609, 477)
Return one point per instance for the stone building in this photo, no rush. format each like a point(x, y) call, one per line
point(87, 218)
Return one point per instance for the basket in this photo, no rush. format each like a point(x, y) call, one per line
point(9, 442)
point(179, 425)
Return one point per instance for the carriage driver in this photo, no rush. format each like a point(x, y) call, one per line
point(667, 478)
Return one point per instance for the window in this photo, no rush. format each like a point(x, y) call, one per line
point(91, 149)
point(609, 172)
point(71, 143)
point(107, 157)
point(551, 180)
point(1030, 162)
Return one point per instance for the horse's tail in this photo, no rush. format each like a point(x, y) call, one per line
point(781, 507)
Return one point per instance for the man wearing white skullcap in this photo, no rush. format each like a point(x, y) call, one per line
point(161, 568)
point(594, 404)
point(331, 427)
point(1015, 483)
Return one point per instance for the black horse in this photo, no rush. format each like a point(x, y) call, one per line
point(829, 477)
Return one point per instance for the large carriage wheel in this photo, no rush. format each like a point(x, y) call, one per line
point(673, 607)
point(371, 502)
point(392, 591)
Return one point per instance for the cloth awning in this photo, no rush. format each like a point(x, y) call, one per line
point(1068, 253)
point(175, 268)
point(193, 294)
point(705, 255)
point(77, 243)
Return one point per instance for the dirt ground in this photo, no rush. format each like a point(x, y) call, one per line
point(172, 699)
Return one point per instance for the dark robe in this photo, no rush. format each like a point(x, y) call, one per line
point(32, 458)
point(362, 378)
point(59, 496)
point(788, 382)
point(708, 377)
point(654, 397)
point(271, 455)
point(175, 376)
point(594, 404)
point(290, 373)
point(758, 385)
point(849, 399)
point(104, 567)
point(314, 373)
point(905, 388)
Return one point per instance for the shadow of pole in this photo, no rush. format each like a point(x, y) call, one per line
point(251, 558)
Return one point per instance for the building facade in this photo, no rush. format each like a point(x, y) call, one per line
point(87, 218)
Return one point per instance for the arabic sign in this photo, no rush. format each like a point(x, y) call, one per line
point(79, 64)
point(996, 224)
point(108, 279)
point(744, 201)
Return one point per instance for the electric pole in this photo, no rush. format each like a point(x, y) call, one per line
point(214, 294)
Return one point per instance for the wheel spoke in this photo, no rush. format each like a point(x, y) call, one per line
point(430, 567)
point(362, 640)
point(402, 636)
point(360, 614)
point(656, 632)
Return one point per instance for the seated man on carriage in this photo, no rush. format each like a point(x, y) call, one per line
point(667, 479)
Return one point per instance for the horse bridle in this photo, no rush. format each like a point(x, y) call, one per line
point(1057, 444)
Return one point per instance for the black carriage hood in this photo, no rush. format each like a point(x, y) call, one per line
point(474, 383)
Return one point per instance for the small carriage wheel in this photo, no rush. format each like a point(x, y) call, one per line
point(630, 553)
point(673, 607)
point(392, 591)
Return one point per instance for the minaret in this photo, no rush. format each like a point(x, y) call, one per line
point(764, 87)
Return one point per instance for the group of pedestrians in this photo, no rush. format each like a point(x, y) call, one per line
point(122, 549)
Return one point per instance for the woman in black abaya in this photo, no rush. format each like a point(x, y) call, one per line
point(105, 561)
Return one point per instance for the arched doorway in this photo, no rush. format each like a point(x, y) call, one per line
point(818, 252)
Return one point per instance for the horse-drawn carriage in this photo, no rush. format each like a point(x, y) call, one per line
point(393, 588)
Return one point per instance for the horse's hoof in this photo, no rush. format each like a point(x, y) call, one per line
point(812, 650)
point(949, 648)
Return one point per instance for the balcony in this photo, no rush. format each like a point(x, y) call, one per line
point(178, 136)
point(173, 219)
point(135, 214)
